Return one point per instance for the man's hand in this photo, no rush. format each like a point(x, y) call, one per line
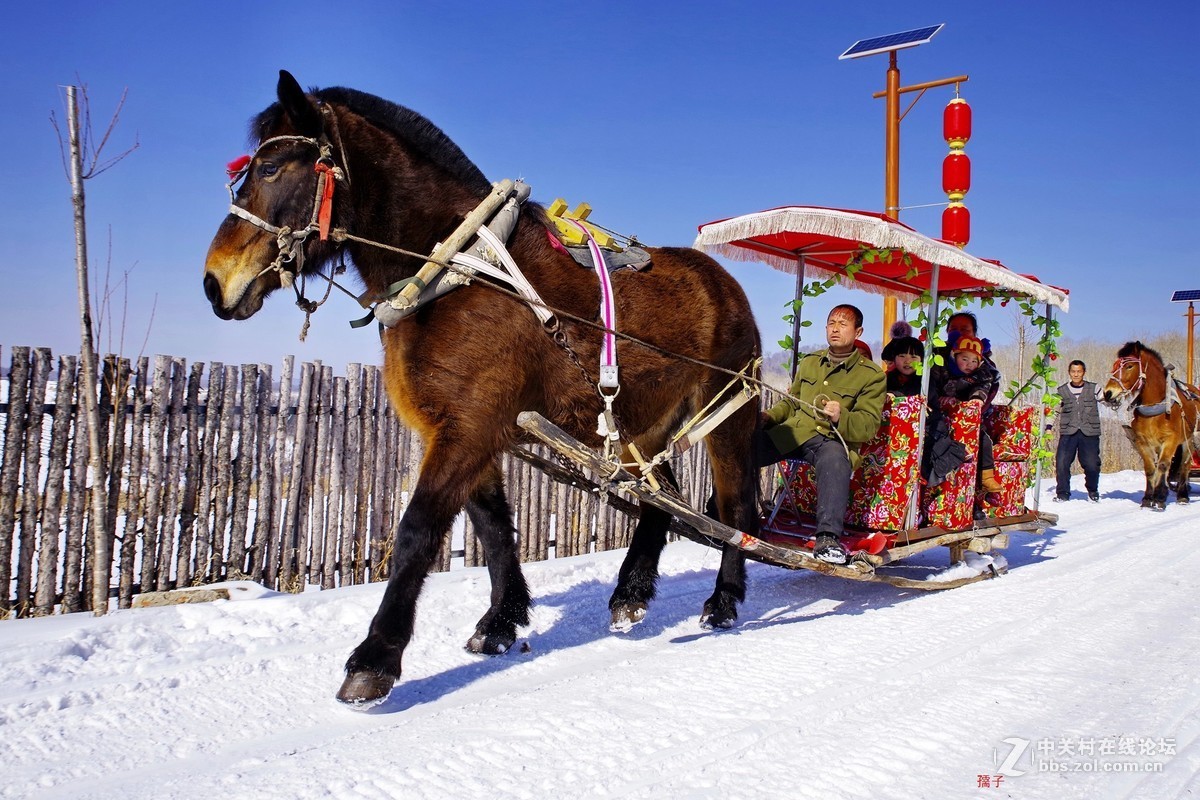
point(833, 410)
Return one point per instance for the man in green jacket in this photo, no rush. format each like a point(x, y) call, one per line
point(841, 399)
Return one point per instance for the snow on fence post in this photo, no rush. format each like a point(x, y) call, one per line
point(276, 531)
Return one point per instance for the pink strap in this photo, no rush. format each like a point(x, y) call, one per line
point(608, 312)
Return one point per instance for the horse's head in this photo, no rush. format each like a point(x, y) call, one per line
point(1128, 374)
point(280, 214)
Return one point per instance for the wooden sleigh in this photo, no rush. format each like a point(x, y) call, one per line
point(875, 519)
point(892, 516)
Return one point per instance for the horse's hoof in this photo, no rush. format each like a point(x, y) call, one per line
point(625, 616)
point(363, 690)
point(712, 618)
point(491, 644)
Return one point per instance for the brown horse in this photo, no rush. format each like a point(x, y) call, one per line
point(460, 369)
point(1163, 420)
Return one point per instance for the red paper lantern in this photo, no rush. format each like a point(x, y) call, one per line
point(956, 176)
point(956, 123)
point(956, 224)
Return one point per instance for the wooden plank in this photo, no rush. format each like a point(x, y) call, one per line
point(366, 461)
point(222, 488)
point(135, 491)
point(263, 486)
point(243, 470)
point(185, 565)
point(205, 507)
point(76, 500)
point(117, 377)
point(46, 594)
point(281, 528)
point(174, 458)
point(10, 467)
point(309, 548)
point(349, 465)
point(384, 455)
point(152, 524)
point(30, 500)
point(333, 529)
point(291, 572)
point(319, 486)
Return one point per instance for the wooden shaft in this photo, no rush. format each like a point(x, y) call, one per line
point(455, 242)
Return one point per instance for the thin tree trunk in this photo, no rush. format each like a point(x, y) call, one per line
point(10, 472)
point(101, 557)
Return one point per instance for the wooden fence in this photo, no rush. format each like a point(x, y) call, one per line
point(229, 474)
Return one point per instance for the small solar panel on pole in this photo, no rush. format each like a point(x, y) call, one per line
point(1189, 296)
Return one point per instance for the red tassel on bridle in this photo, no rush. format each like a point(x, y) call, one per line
point(236, 167)
point(325, 211)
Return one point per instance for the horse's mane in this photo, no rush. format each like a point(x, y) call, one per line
point(404, 123)
point(1130, 349)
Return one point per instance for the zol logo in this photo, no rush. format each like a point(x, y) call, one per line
point(1008, 766)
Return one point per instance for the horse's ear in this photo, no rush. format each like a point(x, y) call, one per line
point(298, 107)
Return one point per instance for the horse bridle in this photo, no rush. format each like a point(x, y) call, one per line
point(1119, 367)
point(291, 242)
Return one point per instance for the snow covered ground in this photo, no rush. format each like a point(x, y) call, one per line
point(1074, 676)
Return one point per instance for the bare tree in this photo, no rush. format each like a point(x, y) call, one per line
point(86, 162)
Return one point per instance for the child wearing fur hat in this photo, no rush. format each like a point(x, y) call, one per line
point(960, 379)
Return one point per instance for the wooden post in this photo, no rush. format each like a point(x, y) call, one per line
point(48, 551)
point(135, 493)
point(10, 468)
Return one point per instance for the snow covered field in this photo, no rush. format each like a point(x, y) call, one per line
point(1074, 676)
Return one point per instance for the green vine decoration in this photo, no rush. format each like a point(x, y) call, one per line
point(813, 289)
point(1042, 365)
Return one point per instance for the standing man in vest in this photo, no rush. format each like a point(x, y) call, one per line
point(1078, 434)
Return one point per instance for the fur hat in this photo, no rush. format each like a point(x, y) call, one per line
point(969, 344)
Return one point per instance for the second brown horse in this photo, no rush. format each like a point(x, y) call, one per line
point(1162, 422)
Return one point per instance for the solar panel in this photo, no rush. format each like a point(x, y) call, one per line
point(893, 41)
point(1184, 295)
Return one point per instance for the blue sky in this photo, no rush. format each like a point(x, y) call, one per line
point(662, 116)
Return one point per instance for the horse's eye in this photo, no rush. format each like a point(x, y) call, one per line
point(267, 169)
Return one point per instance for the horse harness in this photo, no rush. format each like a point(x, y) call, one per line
point(1174, 387)
point(477, 246)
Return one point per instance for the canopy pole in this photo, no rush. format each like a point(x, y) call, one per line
point(914, 495)
point(796, 309)
point(1037, 467)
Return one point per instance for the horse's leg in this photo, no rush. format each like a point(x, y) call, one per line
point(1181, 465)
point(448, 474)
point(1148, 466)
point(638, 577)
point(491, 518)
point(735, 484)
point(1162, 467)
